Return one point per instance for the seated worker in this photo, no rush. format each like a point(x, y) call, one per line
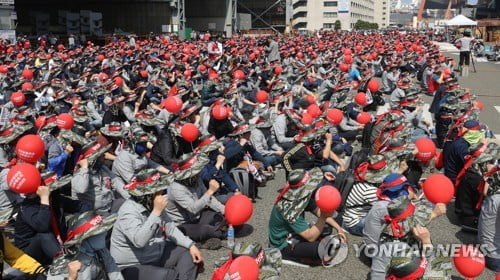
point(393, 186)
point(405, 227)
point(192, 206)
point(311, 151)
point(364, 192)
point(454, 153)
point(133, 159)
point(264, 143)
point(290, 232)
point(145, 242)
point(86, 244)
point(488, 229)
point(36, 232)
point(12, 255)
point(93, 182)
point(214, 170)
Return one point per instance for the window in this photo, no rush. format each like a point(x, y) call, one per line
point(330, 4)
point(328, 25)
point(299, 15)
point(329, 14)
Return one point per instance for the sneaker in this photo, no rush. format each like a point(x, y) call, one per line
point(290, 262)
point(269, 175)
point(469, 224)
point(469, 228)
point(211, 244)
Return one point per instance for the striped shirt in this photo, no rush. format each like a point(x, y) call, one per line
point(358, 203)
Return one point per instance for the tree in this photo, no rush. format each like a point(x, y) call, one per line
point(364, 25)
point(337, 25)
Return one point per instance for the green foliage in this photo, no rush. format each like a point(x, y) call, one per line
point(337, 25)
point(364, 25)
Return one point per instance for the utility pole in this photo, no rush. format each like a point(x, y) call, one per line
point(231, 24)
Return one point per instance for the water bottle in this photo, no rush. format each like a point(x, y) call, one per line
point(230, 237)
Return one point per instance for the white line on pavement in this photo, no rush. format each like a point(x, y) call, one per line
point(497, 108)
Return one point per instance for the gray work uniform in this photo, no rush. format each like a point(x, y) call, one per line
point(186, 203)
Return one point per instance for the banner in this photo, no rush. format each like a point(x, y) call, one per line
point(8, 34)
point(7, 2)
point(344, 6)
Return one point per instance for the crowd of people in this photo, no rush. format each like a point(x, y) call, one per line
point(144, 142)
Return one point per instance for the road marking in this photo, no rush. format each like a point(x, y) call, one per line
point(497, 108)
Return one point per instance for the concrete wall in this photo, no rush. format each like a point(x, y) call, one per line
point(199, 13)
point(202, 23)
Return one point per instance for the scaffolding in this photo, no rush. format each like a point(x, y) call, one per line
point(264, 13)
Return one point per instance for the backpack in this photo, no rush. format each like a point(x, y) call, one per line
point(359, 157)
point(245, 181)
point(344, 182)
point(221, 272)
point(366, 136)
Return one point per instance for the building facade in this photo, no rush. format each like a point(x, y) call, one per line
point(382, 13)
point(322, 14)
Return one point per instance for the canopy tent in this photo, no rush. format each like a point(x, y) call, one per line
point(461, 20)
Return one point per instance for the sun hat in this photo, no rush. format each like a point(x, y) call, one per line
point(148, 181)
point(296, 194)
point(393, 186)
point(404, 215)
point(114, 129)
point(190, 165)
point(375, 169)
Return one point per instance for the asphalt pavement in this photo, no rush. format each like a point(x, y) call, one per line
point(444, 230)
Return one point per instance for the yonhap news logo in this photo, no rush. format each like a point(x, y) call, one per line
point(401, 249)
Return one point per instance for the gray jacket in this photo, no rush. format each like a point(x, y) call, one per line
point(91, 269)
point(264, 145)
point(273, 52)
point(94, 187)
point(279, 129)
point(374, 222)
point(380, 262)
point(186, 203)
point(129, 113)
point(396, 97)
point(127, 164)
point(8, 198)
point(138, 236)
point(93, 112)
point(389, 79)
point(489, 226)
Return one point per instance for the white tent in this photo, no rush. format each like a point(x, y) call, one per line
point(461, 20)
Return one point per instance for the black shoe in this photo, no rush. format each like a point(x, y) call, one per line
point(468, 228)
point(211, 244)
point(470, 224)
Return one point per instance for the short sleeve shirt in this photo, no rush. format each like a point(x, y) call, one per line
point(279, 228)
